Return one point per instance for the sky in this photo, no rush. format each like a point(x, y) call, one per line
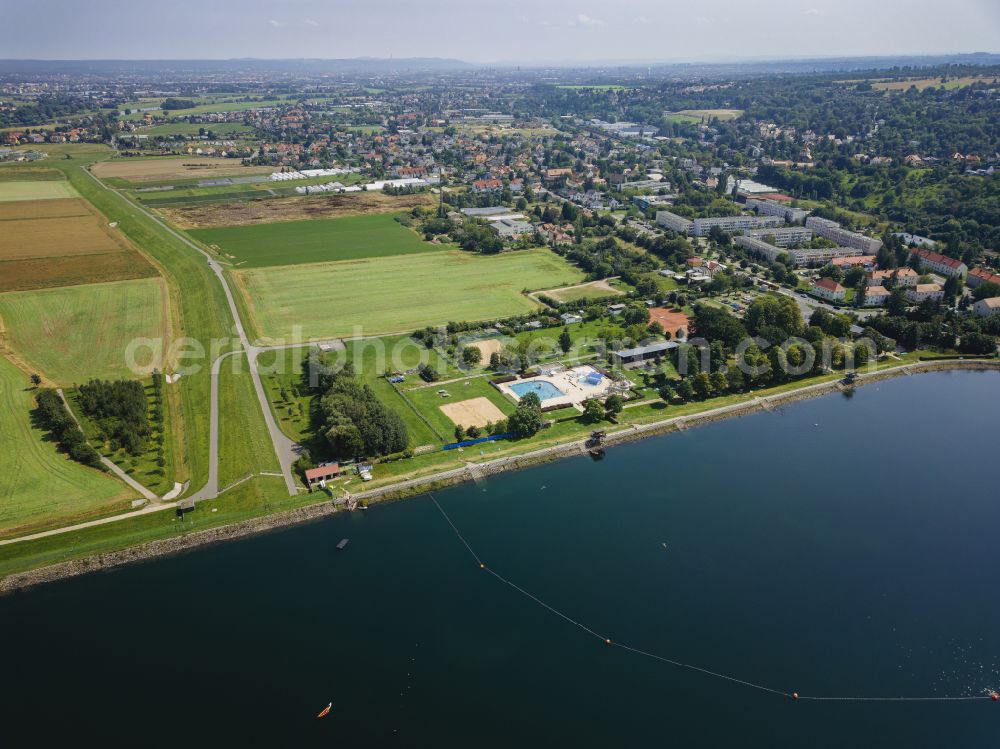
point(515, 31)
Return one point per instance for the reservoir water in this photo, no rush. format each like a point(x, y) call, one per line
point(838, 546)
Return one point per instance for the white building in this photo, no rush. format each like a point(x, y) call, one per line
point(924, 291)
point(906, 277)
point(987, 307)
point(774, 208)
point(876, 296)
point(827, 288)
point(702, 226)
point(672, 221)
point(937, 263)
point(782, 236)
point(836, 233)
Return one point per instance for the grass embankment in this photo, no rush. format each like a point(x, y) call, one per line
point(40, 487)
point(196, 300)
point(244, 443)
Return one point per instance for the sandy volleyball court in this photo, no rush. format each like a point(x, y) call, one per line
point(475, 412)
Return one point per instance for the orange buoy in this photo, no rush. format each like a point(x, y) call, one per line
point(607, 642)
point(995, 696)
point(482, 566)
point(795, 695)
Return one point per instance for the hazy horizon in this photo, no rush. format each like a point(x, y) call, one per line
point(552, 32)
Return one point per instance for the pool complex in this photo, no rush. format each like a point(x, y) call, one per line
point(543, 388)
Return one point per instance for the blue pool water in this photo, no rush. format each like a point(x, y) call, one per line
point(544, 388)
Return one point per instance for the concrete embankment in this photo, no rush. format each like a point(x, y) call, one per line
point(470, 472)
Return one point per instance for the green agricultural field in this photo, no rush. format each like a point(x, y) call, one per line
point(314, 241)
point(697, 115)
point(74, 333)
point(392, 294)
point(39, 189)
point(244, 443)
point(220, 129)
point(39, 487)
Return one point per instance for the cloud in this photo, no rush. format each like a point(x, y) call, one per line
point(704, 20)
point(815, 12)
point(582, 20)
point(310, 22)
point(276, 24)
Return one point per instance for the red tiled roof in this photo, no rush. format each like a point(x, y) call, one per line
point(322, 472)
point(934, 257)
point(829, 284)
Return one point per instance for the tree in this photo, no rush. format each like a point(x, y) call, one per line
point(592, 411)
point(527, 417)
point(459, 433)
point(986, 290)
point(613, 405)
point(472, 356)
point(685, 390)
point(36, 380)
point(565, 340)
point(473, 432)
point(702, 385)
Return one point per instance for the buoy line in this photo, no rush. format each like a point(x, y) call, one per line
point(993, 696)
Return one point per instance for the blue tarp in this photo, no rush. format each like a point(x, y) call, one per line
point(467, 443)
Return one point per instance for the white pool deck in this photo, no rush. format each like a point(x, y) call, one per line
point(570, 382)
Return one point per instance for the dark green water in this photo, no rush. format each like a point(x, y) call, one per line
point(840, 546)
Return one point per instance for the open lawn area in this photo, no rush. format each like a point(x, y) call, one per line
point(40, 487)
point(436, 407)
point(697, 115)
point(393, 294)
point(38, 189)
point(244, 444)
point(174, 167)
point(322, 240)
point(219, 129)
point(592, 290)
point(72, 334)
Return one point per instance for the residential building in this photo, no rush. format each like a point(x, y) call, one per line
point(937, 263)
point(978, 276)
point(924, 291)
point(827, 288)
point(906, 277)
point(987, 307)
point(774, 208)
point(320, 475)
point(511, 228)
point(672, 221)
point(702, 226)
point(876, 296)
point(836, 233)
point(782, 236)
point(569, 318)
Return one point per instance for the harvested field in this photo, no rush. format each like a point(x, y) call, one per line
point(39, 189)
point(170, 168)
point(266, 211)
point(44, 273)
point(62, 242)
point(79, 332)
point(475, 412)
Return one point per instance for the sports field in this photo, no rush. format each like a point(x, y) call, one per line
point(40, 487)
point(40, 189)
point(471, 402)
point(399, 293)
point(75, 333)
point(592, 290)
point(323, 240)
point(697, 115)
point(174, 168)
point(61, 242)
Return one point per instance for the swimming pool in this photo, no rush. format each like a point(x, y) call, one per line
point(543, 388)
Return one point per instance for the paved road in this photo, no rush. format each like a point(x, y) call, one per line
point(287, 450)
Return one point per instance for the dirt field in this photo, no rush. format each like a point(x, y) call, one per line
point(475, 412)
point(165, 169)
point(45, 243)
point(671, 320)
point(488, 348)
point(592, 290)
point(292, 209)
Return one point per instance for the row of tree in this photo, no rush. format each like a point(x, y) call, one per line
point(53, 416)
point(120, 410)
